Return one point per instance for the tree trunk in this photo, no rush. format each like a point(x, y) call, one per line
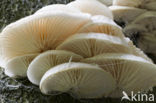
point(22, 91)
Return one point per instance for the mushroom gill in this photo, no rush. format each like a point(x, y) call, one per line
point(92, 44)
point(79, 79)
point(40, 32)
point(132, 73)
point(47, 60)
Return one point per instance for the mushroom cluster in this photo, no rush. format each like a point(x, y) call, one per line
point(75, 48)
point(139, 19)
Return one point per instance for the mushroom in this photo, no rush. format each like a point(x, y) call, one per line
point(126, 14)
point(132, 3)
point(93, 7)
point(91, 44)
point(40, 32)
point(132, 73)
point(17, 67)
point(147, 19)
point(47, 60)
point(150, 6)
point(106, 2)
point(102, 24)
point(79, 79)
point(57, 7)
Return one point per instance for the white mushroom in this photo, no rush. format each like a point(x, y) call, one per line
point(17, 67)
point(47, 60)
point(125, 13)
point(93, 7)
point(57, 7)
point(40, 32)
point(91, 44)
point(132, 73)
point(102, 24)
point(79, 79)
point(106, 2)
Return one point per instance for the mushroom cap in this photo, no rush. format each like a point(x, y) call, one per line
point(106, 2)
point(102, 24)
point(93, 7)
point(17, 67)
point(125, 13)
point(147, 19)
point(79, 79)
point(47, 60)
point(57, 7)
point(91, 44)
point(132, 3)
point(40, 32)
point(150, 6)
point(132, 73)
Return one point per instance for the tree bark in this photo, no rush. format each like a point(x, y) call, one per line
point(22, 91)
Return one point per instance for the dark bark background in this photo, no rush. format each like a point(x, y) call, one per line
point(22, 91)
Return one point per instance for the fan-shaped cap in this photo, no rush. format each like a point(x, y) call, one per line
point(150, 6)
point(106, 2)
point(125, 13)
point(17, 67)
point(147, 19)
point(132, 3)
point(132, 73)
point(102, 24)
point(40, 32)
point(47, 60)
point(93, 7)
point(57, 7)
point(79, 79)
point(91, 44)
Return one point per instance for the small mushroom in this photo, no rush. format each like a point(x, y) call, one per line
point(132, 3)
point(125, 13)
point(40, 32)
point(79, 79)
point(47, 60)
point(102, 24)
point(17, 67)
point(106, 2)
point(132, 73)
point(150, 6)
point(57, 7)
point(91, 44)
point(93, 7)
point(147, 19)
